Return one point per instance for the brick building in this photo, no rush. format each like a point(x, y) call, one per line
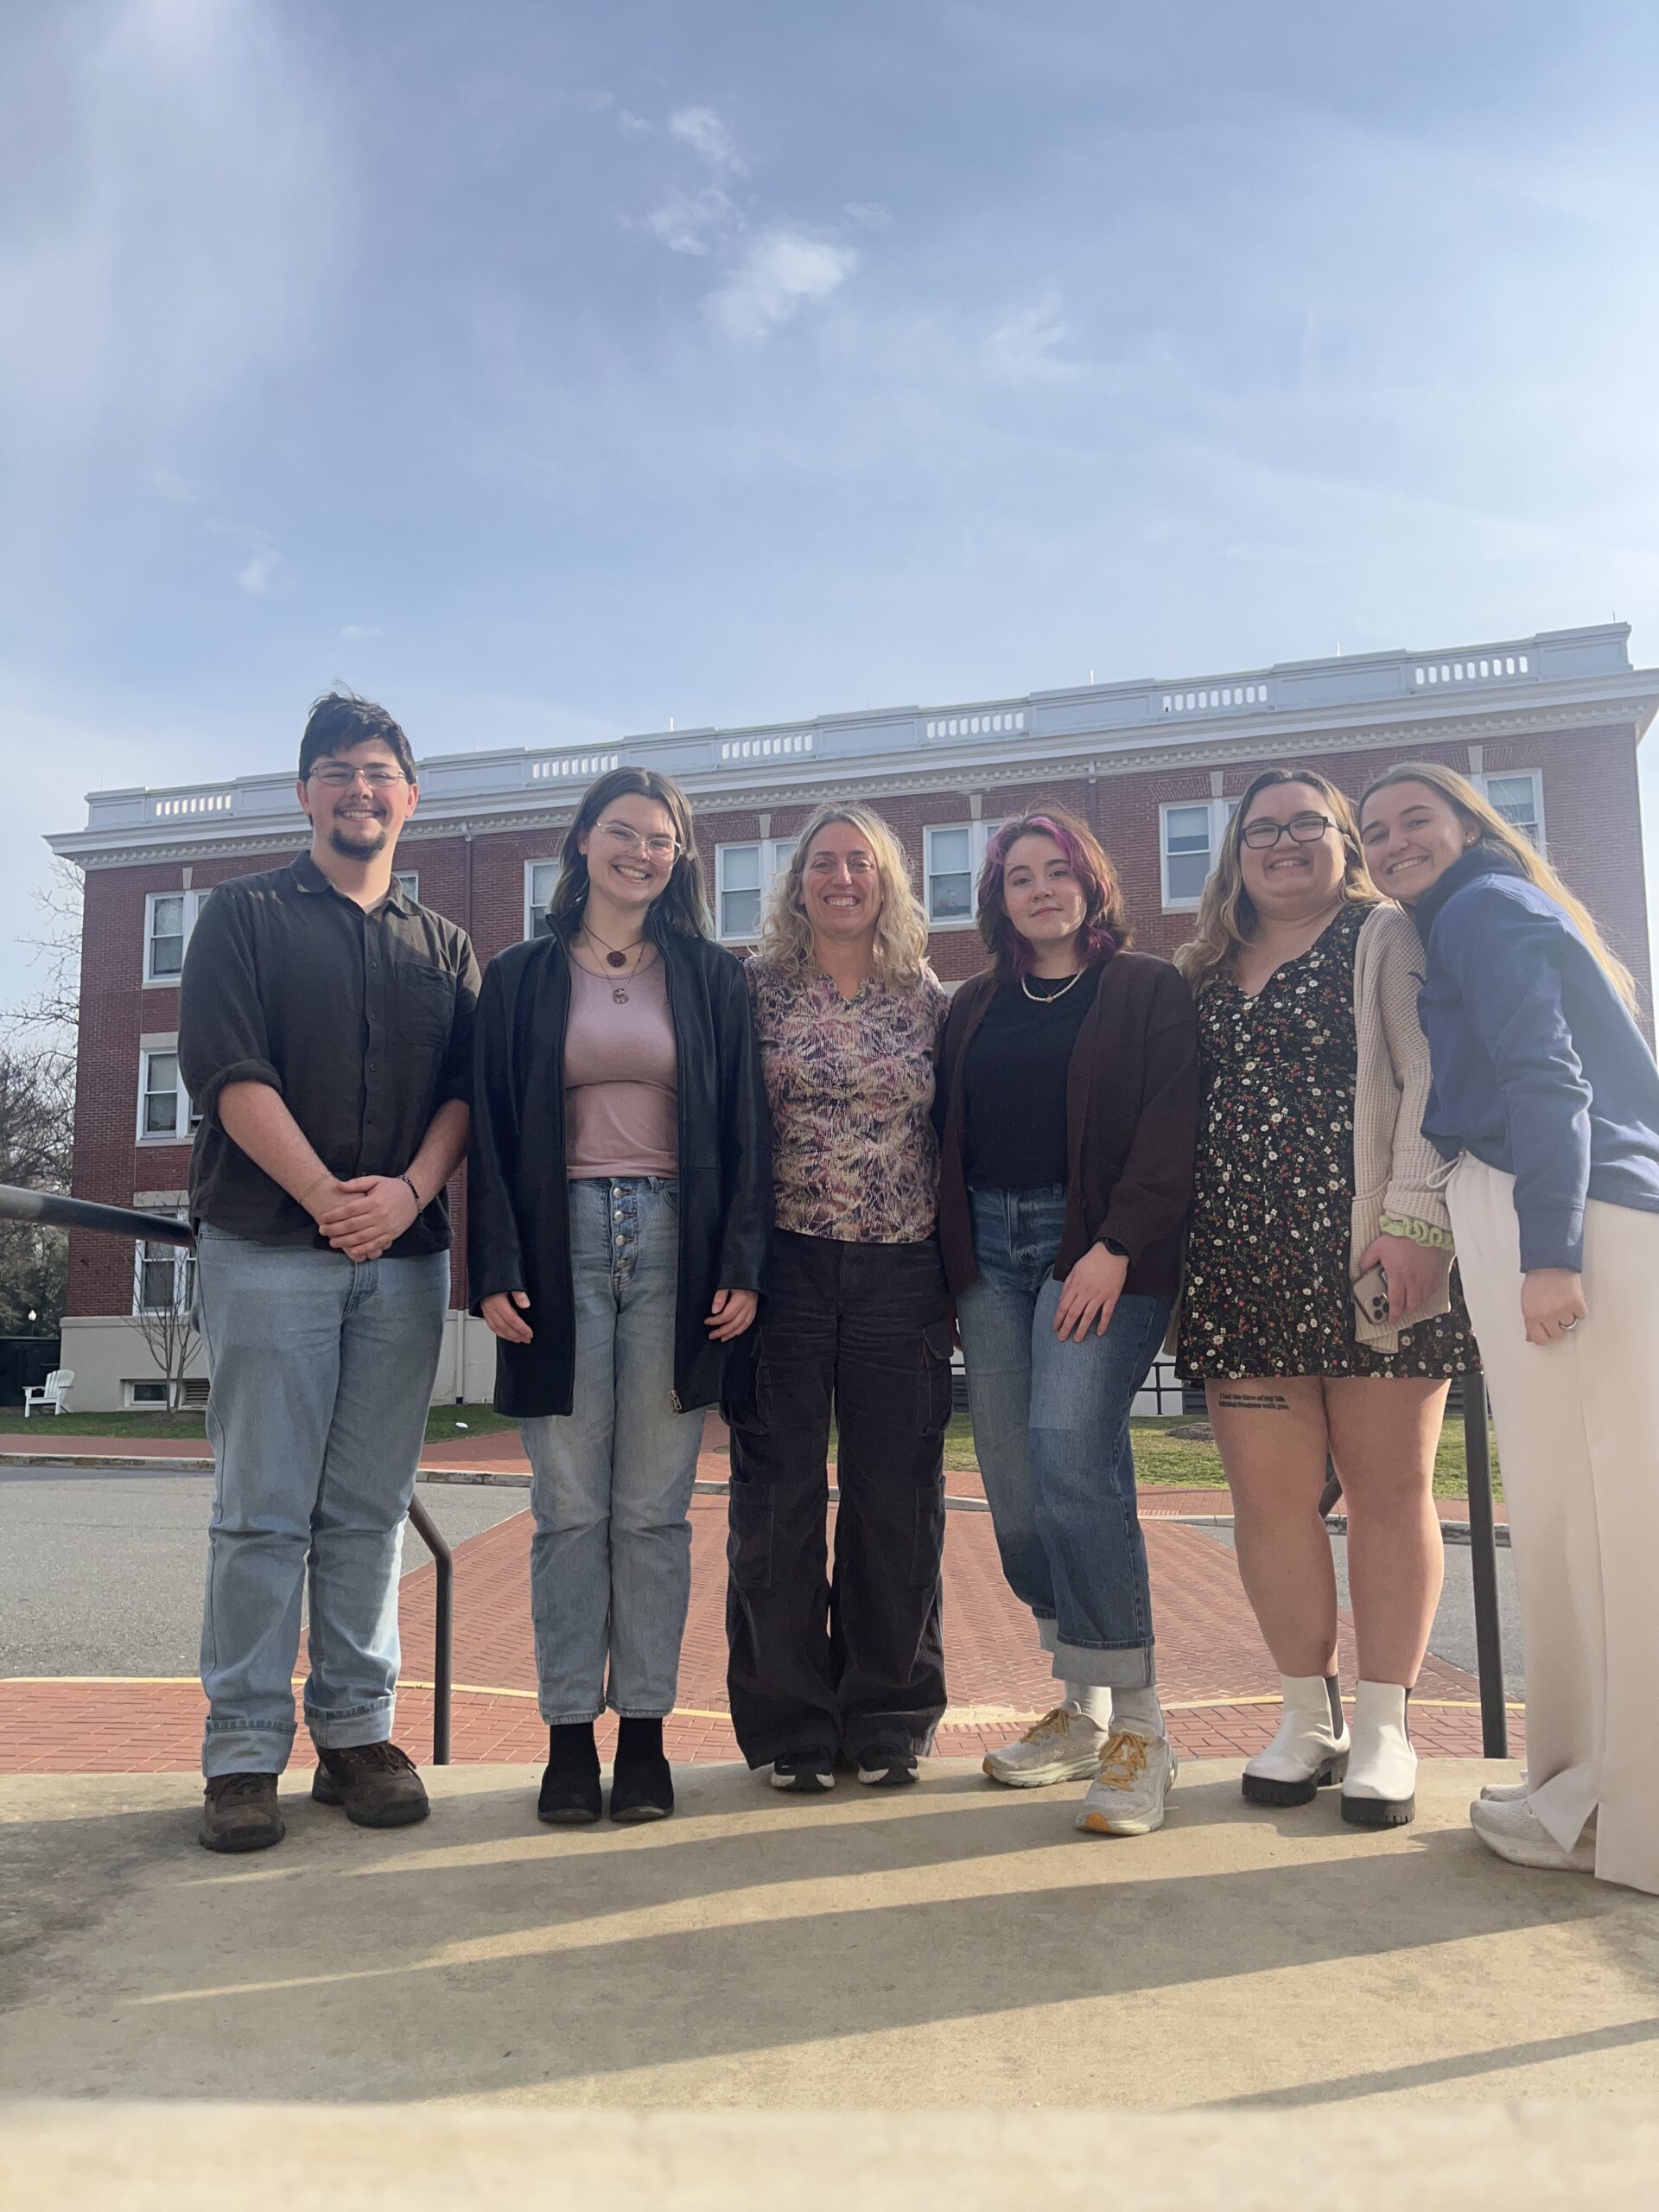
point(1550, 725)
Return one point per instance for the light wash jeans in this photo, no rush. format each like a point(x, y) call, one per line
point(1052, 1430)
point(322, 1376)
point(610, 1562)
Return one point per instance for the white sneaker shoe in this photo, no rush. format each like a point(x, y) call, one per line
point(1062, 1746)
point(1309, 1752)
point(1380, 1788)
point(1126, 1796)
point(1506, 1793)
point(1512, 1830)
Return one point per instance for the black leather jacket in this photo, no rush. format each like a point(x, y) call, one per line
point(518, 1197)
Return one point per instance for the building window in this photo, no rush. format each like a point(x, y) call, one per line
point(408, 881)
point(1519, 798)
point(169, 917)
point(1189, 838)
point(141, 1394)
point(743, 876)
point(165, 1114)
point(540, 878)
point(953, 854)
point(163, 1282)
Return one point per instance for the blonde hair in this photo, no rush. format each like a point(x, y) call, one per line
point(1495, 832)
point(1226, 912)
point(900, 948)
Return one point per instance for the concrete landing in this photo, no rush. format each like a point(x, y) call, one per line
point(954, 1945)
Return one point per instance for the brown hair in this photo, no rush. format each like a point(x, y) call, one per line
point(1105, 918)
point(682, 902)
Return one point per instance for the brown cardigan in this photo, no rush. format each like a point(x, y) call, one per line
point(1131, 1113)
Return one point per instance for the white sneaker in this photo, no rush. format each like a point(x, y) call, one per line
point(1126, 1796)
point(1309, 1752)
point(1506, 1793)
point(1062, 1746)
point(1509, 1828)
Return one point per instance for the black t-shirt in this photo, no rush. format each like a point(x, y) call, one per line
point(1014, 1084)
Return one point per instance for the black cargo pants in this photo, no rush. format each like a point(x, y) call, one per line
point(835, 1667)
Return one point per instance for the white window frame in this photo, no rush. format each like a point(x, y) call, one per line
point(535, 909)
point(186, 1117)
point(774, 854)
point(184, 1275)
point(1534, 775)
point(1221, 812)
point(980, 835)
point(193, 1393)
point(191, 901)
point(408, 880)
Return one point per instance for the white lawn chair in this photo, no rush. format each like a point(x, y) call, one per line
point(54, 1392)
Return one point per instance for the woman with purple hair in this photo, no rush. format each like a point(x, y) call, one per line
point(1068, 1090)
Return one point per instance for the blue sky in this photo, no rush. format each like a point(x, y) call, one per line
point(548, 370)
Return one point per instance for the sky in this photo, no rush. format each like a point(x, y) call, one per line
point(547, 370)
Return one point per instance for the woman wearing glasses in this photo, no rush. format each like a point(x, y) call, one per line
point(618, 1201)
point(1314, 1183)
point(1546, 1102)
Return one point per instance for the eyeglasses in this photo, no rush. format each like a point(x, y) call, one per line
point(1301, 829)
point(342, 779)
point(663, 850)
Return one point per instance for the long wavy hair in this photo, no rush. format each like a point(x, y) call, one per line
point(901, 948)
point(1499, 836)
point(682, 903)
point(1105, 918)
point(1227, 915)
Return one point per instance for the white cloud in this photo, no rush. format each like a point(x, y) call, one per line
point(681, 221)
point(356, 631)
point(780, 269)
point(256, 576)
point(701, 130)
point(176, 490)
point(633, 126)
point(1021, 349)
point(869, 214)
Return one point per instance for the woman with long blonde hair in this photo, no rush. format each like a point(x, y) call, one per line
point(844, 1667)
point(1316, 1310)
point(1546, 1103)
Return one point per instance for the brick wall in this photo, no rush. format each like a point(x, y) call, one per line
point(1591, 818)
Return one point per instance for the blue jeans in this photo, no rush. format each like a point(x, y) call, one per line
point(610, 1562)
point(321, 1378)
point(1052, 1430)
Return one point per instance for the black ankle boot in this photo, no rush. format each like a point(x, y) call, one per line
point(571, 1795)
point(642, 1788)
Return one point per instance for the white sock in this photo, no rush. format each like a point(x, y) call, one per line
point(1095, 1704)
point(1138, 1709)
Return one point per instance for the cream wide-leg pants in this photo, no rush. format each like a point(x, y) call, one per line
point(1577, 1438)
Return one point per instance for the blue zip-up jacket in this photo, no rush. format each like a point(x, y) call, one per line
point(1538, 1068)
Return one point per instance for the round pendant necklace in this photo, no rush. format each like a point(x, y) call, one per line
point(614, 958)
point(1047, 998)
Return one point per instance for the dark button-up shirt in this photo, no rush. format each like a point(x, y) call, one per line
point(361, 1023)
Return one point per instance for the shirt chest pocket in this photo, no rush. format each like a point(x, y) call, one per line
point(423, 1007)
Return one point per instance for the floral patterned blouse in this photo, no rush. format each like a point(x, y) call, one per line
point(850, 1085)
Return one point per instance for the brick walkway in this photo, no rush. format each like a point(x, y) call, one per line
point(1216, 1680)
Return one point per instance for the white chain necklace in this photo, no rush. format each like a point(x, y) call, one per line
point(1047, 998)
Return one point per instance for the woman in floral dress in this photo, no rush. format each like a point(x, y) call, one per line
point(1313, 1175)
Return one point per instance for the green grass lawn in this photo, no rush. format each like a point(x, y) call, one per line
point(1160, 1460)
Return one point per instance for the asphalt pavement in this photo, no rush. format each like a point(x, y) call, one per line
point(101, 1571)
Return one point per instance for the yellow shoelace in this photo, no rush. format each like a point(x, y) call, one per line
point(1123, 1759)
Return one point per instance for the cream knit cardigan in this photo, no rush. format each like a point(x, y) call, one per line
point(1396, 1170)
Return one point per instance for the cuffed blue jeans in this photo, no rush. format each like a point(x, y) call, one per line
point(610, 1560)
point(322, 1374)
point(1052, 1431)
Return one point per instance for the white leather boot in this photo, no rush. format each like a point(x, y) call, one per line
point(1311, 1748)
point(1380, 1790)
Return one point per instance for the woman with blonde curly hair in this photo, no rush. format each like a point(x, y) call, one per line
point(853, 1327)
point(1316, 1310)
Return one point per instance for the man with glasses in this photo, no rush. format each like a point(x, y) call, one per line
point(325, 1036)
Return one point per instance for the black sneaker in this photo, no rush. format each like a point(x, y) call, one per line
point(239, 1813)
point(809, 1773)
point(887, 1766)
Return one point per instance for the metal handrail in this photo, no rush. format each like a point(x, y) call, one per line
point(52, 1210)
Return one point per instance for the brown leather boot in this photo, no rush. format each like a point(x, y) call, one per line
point(239, 1814)
point(376, 1783)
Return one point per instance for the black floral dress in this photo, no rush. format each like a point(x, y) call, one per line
point(1267, 1286)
